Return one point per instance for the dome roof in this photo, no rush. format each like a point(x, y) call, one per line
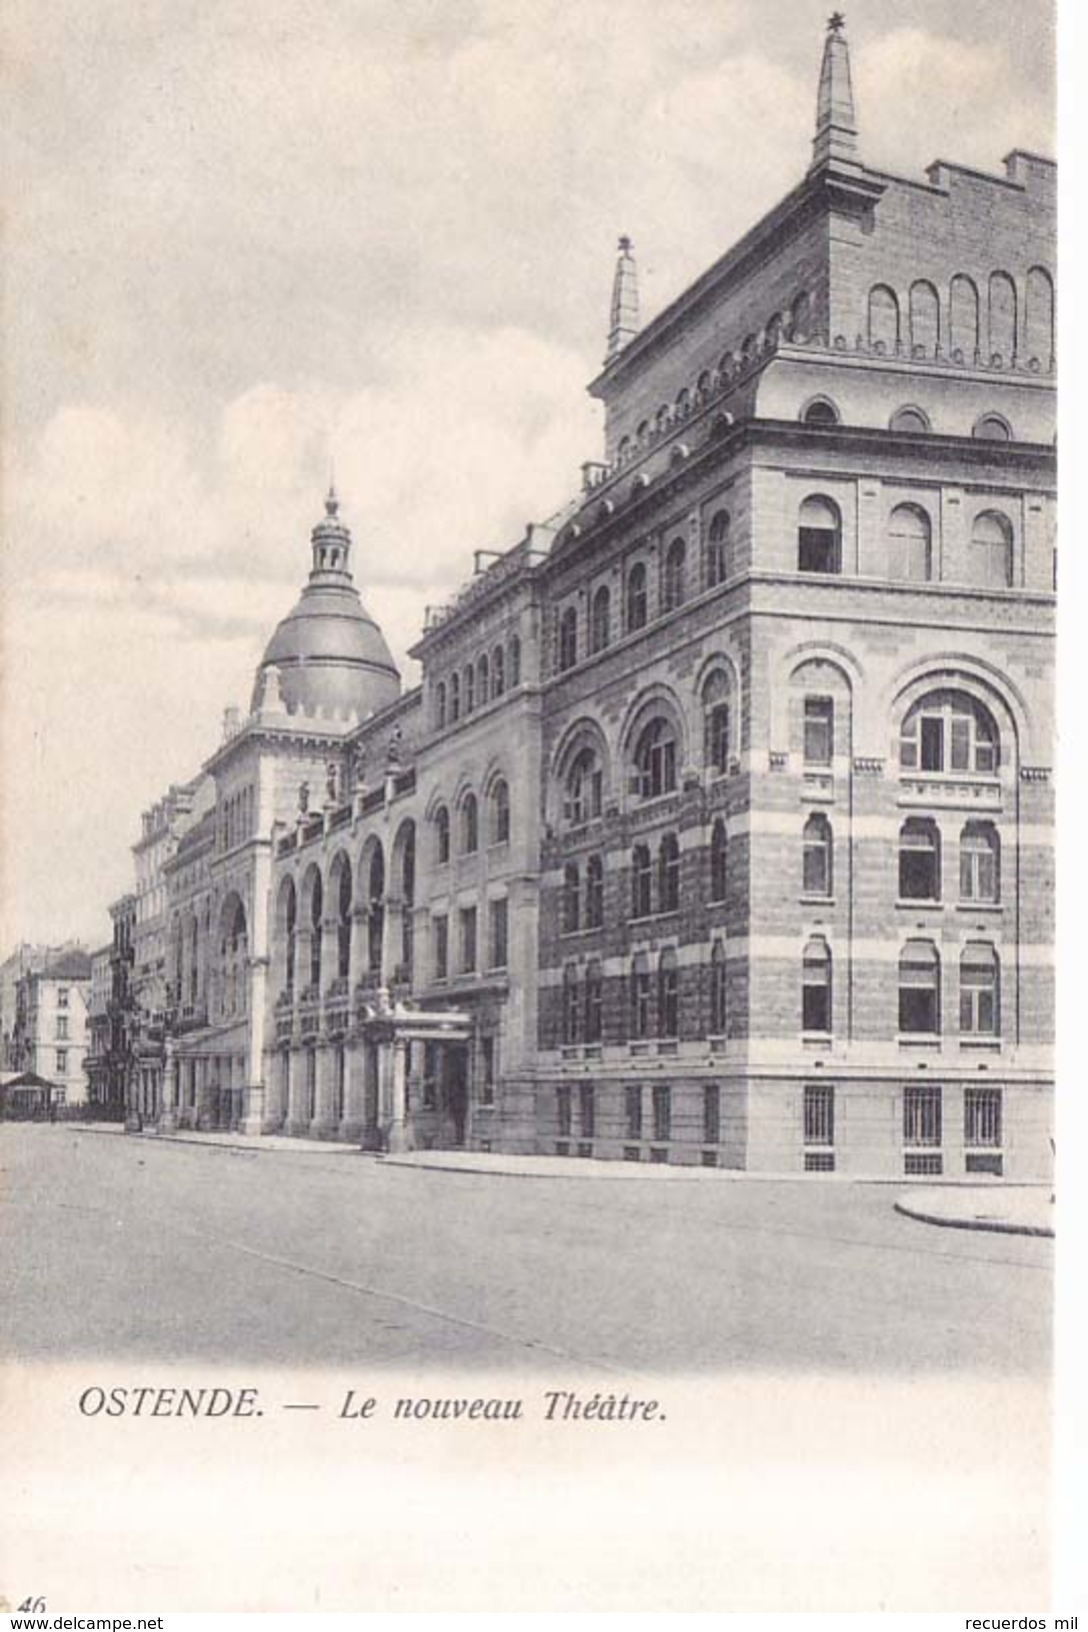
point(328, 654)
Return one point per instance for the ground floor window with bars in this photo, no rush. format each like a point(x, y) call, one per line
point(982, 1116)
point(564, 1112)
point(819, 1114)
point(921, 1115)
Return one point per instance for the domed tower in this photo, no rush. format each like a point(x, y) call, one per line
point(328, 654)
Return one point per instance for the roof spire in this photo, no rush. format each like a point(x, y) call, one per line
point(836, 141)
point(331, 543)
point(623, 324)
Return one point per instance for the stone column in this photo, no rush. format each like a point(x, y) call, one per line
point(396, 1053)
point(168, 1121)
point(325, 1123)
point(353, 1125)
point(251, 1119)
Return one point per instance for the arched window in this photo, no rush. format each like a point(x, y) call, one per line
point(290, 915)
point(800, 317)
point(571, 1005)
point(919, 860)
point(816, 986)
point(949, 731)
point(498, 830)
point(585, 789)
point(980, 863)
point(636, 597)
point(514, 652)
point(441, 835)
point(703, 387)
point(641, 995)
point(821, 411)
point(470, 688)
point(455, 696)
point(920, 989)
point(641, 882)
point(909, 420)
point(594, 892)
point(673, 585)
point(718, 1005)
point(717, 722)
point(572, 899)
point(992, 428)
point(668, 994)
point(594, 1017)
point(408, 898)
point(498, 672)
point(316, 910)
point(883, 319)
point(600, 620)
point(719, 859)
point(668, 874)
point(1039, 317)
point(661, 423)
point(979, 991)
point(568, 639)
point(910, 547)
point(483, 676)
point(819, 537)
point(717, 549)
point(470, 825)
point(925, 319)
point(683, 403)
point(623, 452)
point(440, 704)
point(655, 760)
point(989, 554)
point(643, 433)
point(343, 923)
point(817, 868)
point(1002, 318)
point(375, 904)
point(963, 319)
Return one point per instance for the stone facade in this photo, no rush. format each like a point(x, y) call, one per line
point(719, 830)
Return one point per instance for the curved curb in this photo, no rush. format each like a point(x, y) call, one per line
point(995, 1226)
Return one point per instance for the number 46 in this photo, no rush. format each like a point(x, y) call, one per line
point(32, 1606)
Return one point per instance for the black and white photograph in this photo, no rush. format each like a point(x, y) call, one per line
point(528, 901)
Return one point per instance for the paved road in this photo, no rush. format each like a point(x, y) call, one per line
point(125, 1247)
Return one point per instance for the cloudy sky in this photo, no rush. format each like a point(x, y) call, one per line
point(246, 237)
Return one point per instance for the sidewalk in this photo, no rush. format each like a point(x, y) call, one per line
point(255, 1142)
point(1008, 1210)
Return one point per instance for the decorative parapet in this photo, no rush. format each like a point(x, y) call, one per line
point(1035, 773)
point(865, 766)
point(777, 761)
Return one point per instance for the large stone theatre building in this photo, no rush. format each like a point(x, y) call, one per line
point(719, 830)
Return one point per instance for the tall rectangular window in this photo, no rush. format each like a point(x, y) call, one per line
point(564, 1112)
point(498, 951)
point(62, 997)
point(468, 940)
point(662, 1111)
point(486, 1066)
point(819, 1115)
point(712, 1114)
point(441, 926)
point(819, 730)
point(632, 1111)
point(982, 1116)
point(921, 1115)
point(587, 1109)
point(62, 1062)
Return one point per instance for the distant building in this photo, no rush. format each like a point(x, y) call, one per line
point(96, 1061)
point(51, 1035)
point(720, 828)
